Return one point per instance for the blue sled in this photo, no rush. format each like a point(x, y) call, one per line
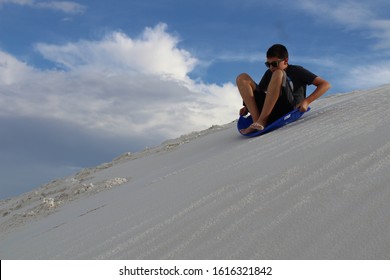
point(244, 122)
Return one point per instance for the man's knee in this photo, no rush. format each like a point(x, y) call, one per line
point(277, 77)
point(244, 79)
point(278, 74)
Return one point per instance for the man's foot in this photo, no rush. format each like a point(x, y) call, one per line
point(247, 130)
point(257, 126)
point(252, 128)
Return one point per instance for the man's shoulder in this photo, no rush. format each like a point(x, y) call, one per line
point(301, 73)
point(292, 67)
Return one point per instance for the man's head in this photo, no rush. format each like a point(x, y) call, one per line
point(278, 51)
point(277, 57)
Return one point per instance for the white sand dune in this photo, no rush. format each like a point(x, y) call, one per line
point(315, 189)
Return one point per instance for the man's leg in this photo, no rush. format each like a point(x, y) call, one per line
point(273, 93)
point(246, 86)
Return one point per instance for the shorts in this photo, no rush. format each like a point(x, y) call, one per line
point(284, 105)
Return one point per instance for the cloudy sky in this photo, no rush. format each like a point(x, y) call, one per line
point(82, 82)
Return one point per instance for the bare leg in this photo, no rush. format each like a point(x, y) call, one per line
point(273, 93)
point(246, 86)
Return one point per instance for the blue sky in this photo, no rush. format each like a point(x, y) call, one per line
point(82, 82)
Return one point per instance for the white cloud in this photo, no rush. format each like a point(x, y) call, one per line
point(352, 15)
point(362, 77)
point(254, 57)
point(19, 2)
point(154, 53)
point(63, 6)
point(118, 85)
point(381, 30)
point(12, 70)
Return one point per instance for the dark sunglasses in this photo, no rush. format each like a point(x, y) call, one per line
point(273, 63)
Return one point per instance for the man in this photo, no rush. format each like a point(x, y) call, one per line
point(281, 89)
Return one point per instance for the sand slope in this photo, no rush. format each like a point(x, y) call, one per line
point(317, 189)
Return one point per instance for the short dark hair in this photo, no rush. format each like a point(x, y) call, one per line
point(278, 51)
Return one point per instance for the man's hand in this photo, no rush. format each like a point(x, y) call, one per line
point(322, 87)
point(244, 111)
point(303, 106)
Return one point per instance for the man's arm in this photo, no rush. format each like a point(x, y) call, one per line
point(322, 87)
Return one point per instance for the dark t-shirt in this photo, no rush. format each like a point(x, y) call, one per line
point(299, 76)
